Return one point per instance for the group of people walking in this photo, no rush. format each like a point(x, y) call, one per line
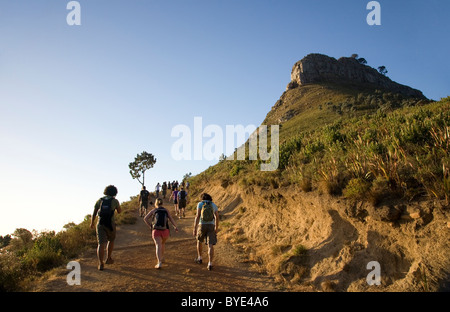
point(206, 222)
point(170, 186)
point(179, 197)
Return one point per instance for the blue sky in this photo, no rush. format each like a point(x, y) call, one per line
point(78, 103)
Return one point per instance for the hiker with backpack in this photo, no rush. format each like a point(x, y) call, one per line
point(174, 196)
point(206, 225)
point(106, 228)
point(182, 202)
point(143, 199)
point(157, 188)
point(158, 221)
point(164, 189)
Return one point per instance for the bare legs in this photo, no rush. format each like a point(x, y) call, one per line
point(210, 253)
point(160, 244)
point(101, 253)
point(142, 210)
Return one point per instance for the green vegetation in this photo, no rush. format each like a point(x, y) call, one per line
point(403, 152)
point(316, 105)
point(372, 146)
point(28, 255)
point(287, 150)
point(299, 251)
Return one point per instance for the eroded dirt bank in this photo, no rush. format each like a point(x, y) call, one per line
point(311, 241)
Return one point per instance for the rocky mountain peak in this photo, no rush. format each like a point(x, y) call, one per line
point(317, 68)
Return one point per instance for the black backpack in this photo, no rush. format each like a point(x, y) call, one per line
point(106, 212)
point(161, 219)
point(144, 195)
point(182, 195)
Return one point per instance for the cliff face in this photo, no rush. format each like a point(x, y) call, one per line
point(316, 68)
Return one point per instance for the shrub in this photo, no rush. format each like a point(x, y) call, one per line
point(278, 249)
point(311, 149)
point(76, 238)
point(11, 272)
point(299, 250)
point(333, 177)
point(332, 133)
point(5, 240)
point(274, 183)
point(414, 131)
point(224, 183)
point(236, 169)
point(379, 190)
point(287, 149)
point(306, 185)
point(356, 188)
point(46, 252)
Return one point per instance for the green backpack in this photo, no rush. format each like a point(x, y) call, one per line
point(207, 214)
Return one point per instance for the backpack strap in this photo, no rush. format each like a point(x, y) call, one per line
point(100, 205)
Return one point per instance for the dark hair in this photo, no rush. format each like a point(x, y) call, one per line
point(110, 190)
point(206, 196)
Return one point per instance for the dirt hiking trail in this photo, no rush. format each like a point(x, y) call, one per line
point(134, 260)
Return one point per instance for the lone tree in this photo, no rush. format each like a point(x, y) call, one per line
point(141, 163)
point(382, 70)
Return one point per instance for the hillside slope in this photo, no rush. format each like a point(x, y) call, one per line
point(363, 176)
point(308, 241)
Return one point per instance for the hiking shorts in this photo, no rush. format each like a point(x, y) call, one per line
point(105, 234)
point(207, 233)
point(162, 233)
point(182, 203)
